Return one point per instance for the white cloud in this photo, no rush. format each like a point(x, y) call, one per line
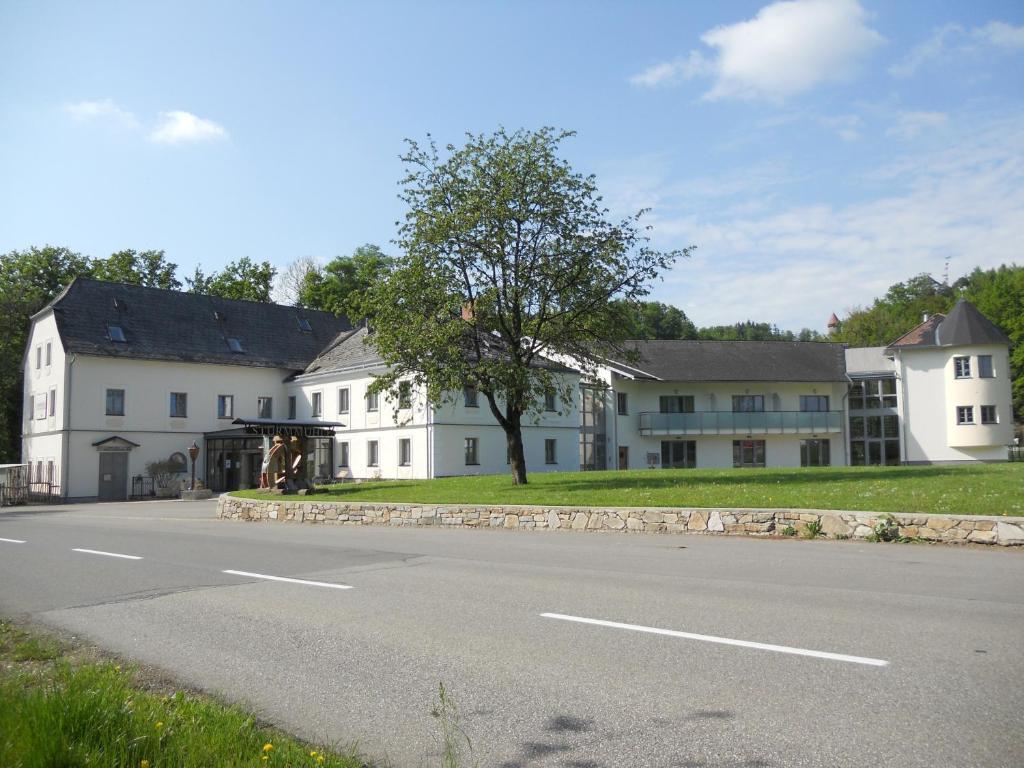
point(670, 72)
point(787, 48)
point(953, 39)
point(909, 125)
point(848, 127)
point(177, 127)
point(106, 109)
point(1001, 35)
point(794, 264)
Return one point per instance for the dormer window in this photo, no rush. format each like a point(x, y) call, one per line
point(116, 333)
point(235, 345)
point(304, 325)
point(120, 305)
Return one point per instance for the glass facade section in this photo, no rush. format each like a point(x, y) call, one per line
point(592, 429)
point(874, 422)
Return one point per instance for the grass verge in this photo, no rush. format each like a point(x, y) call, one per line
point(977, 489)
point(62, 707)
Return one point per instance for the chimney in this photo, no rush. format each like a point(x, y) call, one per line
point(924, 317)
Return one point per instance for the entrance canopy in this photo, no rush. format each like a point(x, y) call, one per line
point(287, 428)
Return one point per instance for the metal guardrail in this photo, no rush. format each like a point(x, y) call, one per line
point(143, 487)
point(741, 423)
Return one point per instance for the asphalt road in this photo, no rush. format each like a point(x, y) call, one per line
point(849, 654)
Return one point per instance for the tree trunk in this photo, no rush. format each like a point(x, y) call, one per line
point(516, 455)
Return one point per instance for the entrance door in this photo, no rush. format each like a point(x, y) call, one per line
point(113, 476)
point(623, 457)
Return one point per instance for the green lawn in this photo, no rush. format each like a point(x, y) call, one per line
point(60, 708)
point(979, 489)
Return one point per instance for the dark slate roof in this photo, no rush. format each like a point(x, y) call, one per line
point(680, 360)
point(964, 325)
point(171, 325)
point(345, 351)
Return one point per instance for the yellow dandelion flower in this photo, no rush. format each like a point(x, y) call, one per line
point(267, 747)
point(320, 759)
point(263, 758)
point(159, 724)
point(144, 764)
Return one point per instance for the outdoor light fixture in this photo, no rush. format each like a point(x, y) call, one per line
point(193, 452)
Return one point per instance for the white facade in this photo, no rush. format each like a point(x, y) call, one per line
point(79, 385)
point(637, 429)
point(370, 442)
point(945, 412)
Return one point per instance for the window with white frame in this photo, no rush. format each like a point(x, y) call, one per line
point(470, 396)
point(405, 395)
point(39, 404)
point(264, 407)
point(372, 401)
point(550, 401)
point(115, 402)
point(292, 407)
point(371, 453)
point(52, 408)
point(317, 404)
point(965, 414)
point(343, 394)
point(985, 370)
point(989, 415)
point(49, 353)
point(404, 452)
point(178, 405)
point(343, 455)
point(550, 451)
point(39, 357)
point(962, 367)
point(225, 406)
point(472, 454)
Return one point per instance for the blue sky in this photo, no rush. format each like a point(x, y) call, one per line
point(815, 151)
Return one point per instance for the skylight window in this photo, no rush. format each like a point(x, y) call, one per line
point(235, 345)
point(304, 325)
point(116, 333)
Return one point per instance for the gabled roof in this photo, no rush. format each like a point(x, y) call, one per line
point(347, 350)
point(707, 361)
point(187, 327)
point(963, 326)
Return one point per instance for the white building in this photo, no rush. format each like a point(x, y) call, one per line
point(118, 376)
point(413, 439)
point(718, 404)
point(940, 393)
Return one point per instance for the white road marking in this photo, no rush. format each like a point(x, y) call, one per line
point(106, 554)
point(14, 541)
point(722, 640)
point(290, 581)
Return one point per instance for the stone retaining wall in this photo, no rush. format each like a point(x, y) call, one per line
point(747, 522)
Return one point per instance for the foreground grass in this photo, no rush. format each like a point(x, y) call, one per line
point(60, 710)
point(981, 489)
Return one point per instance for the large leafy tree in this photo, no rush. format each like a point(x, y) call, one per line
point(655, 320)
point(242, 279)
point(341, 286)
point(149, 268)
point(510, 260)
point(29, 279)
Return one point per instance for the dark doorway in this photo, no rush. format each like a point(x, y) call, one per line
point(113, 476)
point(623, 457)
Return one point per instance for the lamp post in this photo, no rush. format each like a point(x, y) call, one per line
point(193, 453)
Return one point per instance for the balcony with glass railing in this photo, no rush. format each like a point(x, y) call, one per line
point(741, 423)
